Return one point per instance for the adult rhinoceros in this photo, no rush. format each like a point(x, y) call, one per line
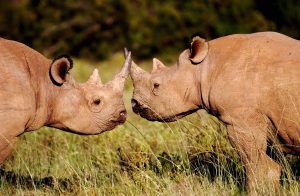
point(36, 91)
point(250, 82)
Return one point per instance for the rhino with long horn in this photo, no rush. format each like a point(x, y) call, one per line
point(36, 92)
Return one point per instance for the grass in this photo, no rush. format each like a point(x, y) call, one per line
point(188, 157)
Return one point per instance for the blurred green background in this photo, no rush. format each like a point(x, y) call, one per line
point(95, 29)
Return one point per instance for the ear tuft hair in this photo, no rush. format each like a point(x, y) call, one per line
point(188, 39)
point(195, 35)
point(64, 56)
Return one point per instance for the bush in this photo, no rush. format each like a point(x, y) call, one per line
point(96, 29)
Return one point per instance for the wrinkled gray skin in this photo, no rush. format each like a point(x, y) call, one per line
point(36, 92)
point(250, 82)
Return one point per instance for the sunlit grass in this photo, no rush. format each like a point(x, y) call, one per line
point(188, 157)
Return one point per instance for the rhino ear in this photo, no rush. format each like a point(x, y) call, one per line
point(198, 50)
point(59, 69)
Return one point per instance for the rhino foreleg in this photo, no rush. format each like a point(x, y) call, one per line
point(9, 131)
point(251, 144)
point(6, 148)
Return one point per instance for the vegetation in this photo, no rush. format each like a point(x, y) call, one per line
point(98, 28)
point(188, 157)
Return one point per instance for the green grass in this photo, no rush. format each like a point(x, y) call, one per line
point(189, 157)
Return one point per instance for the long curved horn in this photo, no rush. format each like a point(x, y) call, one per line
point(120, 78)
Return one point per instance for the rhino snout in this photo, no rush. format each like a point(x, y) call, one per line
point(143, 111)
point(135, 106)
point(122, 116)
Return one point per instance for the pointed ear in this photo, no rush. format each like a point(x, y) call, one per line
point(59, 70)
point(198, 50)
point(157, 65)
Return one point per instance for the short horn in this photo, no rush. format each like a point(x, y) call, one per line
point(157, 65)
point(95, 78)
point(136, 72)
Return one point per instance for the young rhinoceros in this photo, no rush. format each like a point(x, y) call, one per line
point(250, 82)
point(35, 91)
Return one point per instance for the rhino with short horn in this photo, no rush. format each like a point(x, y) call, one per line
point(36, 92)
point(251, 82)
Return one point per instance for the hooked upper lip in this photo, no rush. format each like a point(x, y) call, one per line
point(147, 113)
point(121, 118)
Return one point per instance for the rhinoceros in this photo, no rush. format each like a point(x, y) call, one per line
point(36, 92)
point(251, 82)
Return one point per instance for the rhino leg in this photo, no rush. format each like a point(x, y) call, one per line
point(10, 129)
point(6, 149)
point(251, 144)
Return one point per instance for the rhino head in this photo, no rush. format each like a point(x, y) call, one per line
point(87, 108)
point(169, 93)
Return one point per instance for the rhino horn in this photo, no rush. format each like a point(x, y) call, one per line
point(120, 78)
point(136, 72)
point(157, 65)
point(94, 78)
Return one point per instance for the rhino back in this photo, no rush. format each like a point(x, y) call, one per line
point(261, 73)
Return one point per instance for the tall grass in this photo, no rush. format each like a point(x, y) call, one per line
point(189, 157)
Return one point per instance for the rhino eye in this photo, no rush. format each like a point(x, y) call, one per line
point(97, 101)
point(156, 85)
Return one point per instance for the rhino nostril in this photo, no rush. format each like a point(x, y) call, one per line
point(134, 103)
point(135, 106)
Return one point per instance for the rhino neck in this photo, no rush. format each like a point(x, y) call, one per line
point(51, 111)
point(44, 91)
point(205, 80)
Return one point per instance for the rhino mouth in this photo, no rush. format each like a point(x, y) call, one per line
point(111, 126)
point(118, 122)
point(180, 115)
point(143, 111)
point(121, 117)
point(146, 113)
point(149, 114)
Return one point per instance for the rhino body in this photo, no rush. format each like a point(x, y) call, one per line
point(251, 82)
point(36, 91)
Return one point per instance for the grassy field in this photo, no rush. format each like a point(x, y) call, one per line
point(188, 157)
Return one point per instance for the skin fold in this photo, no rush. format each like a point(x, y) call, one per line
point(36, 92)
point(251, 82)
